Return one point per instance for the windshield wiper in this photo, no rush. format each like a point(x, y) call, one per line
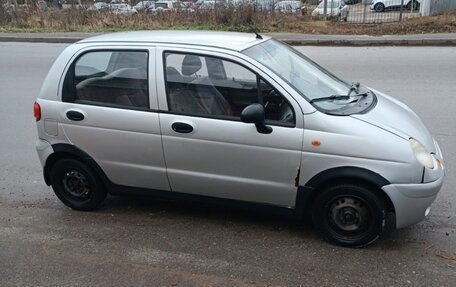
point(354, 87)
point(340, 97)
point(333, 97)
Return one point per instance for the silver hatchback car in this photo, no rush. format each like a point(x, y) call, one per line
point(232, 118)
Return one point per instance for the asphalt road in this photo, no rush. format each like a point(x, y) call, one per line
point(138, 242)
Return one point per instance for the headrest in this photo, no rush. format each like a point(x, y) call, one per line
point(172, 72)
point(190, 65)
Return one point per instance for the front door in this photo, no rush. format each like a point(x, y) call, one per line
point(208, 150)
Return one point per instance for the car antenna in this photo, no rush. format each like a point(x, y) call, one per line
point(254, 30)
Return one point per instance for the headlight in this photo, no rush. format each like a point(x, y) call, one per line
point(421, 154)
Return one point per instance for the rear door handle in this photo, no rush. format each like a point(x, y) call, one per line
point(75, 115)
point(182, 128)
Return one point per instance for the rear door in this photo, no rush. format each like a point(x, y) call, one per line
point(208, 150)
point(109, 110)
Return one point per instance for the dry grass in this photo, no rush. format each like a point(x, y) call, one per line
point(228, 19)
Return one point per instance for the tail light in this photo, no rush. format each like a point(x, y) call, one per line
point(37, 111)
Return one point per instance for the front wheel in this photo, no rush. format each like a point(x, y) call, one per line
point(76, 185)
point(349, 215)
point(346, 17)
point(379, 7)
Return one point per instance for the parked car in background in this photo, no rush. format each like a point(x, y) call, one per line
point(211, 5)
point(8, 7)
point(290, 7)
point(349, 2)
point(236, 3)
point(264, 5)
point(334, 8)
point(69, 4)
point(99, 7)
point(162, 6)
point(144, 5)
point(122, 9)
point(232, 118)
point(382, 5)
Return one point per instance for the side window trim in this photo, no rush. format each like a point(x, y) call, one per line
point(69, 91)
point(229, 118)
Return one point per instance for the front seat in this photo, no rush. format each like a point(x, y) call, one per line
point(211, 99)
point(191, 65)
point(207, 94)
point(183, 99)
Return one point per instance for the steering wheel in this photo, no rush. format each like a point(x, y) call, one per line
point(273, 94)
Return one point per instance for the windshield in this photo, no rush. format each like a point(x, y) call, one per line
point(161, 5)
point(309, 79)
point(331, 4)
point(290, 5)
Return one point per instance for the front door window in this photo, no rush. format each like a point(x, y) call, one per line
point(213, 87)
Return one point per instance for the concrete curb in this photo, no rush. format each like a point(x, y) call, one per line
point(38, 39)
point(336, 42)
point(294, 39)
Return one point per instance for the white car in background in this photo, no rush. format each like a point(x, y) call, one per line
point(160, 6)
point(143, 5)
point(382, 5)
point(122, 9)
point(292, 6)
point(334, 8)
point(99, 7)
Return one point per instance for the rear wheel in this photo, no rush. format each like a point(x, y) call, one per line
point(76, 185)
point(413, 4)
point(349, 215)
point(380, 7)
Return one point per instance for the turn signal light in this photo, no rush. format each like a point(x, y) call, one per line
point(439, 164)
point(37, 111)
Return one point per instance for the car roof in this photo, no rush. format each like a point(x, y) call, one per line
point(223, 40)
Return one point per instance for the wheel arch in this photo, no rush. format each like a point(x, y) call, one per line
point(62, 151)
point(352, 175)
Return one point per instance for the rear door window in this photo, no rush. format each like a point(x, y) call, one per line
point(111, 78)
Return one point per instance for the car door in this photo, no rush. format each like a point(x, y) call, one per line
point(208, 150)
point(109, 110)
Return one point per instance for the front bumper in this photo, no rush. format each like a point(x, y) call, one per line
point(412, 201)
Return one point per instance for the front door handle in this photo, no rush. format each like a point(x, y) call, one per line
point(75, 116)
point(182, 128)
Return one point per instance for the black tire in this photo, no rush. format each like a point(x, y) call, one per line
point(349, 215)
point(413, 4)
point(379, 7)
point(76, 185)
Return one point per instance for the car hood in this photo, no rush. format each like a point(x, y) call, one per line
point(394, 116)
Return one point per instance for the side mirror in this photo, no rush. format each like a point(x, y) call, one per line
point(254, 114)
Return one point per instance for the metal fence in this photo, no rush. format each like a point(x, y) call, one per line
point(352, 11)
point(371, 11)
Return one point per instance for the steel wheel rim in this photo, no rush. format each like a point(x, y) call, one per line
point(76, 184)
point(349, 217)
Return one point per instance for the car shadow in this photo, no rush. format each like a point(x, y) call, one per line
point(218, 214)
